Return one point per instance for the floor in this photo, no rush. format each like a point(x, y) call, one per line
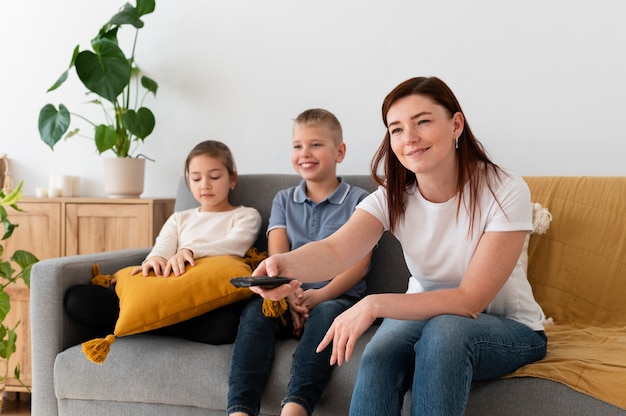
point(16, 404)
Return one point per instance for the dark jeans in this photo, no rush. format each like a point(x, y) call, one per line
point(253, 355)
point(98, 308)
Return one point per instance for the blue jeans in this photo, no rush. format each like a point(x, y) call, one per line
point(438, 359)
point(253, 355)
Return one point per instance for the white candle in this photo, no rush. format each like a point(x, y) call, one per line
point(53, 181)
point(54, 192)
point(76, 185)
point(66, 184)
point(41, 192)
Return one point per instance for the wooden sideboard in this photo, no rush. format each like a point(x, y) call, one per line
point(56, 227)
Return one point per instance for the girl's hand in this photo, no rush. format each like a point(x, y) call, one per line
point(155, 263)
point(346, 330)
point(177, 262)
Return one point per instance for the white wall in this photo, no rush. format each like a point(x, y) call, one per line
point(542, 83)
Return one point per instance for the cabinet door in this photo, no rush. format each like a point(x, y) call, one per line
point(39, 229)
point(94, 228)
point(20, 313)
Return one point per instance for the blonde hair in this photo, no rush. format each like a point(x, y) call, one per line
point(318, 117)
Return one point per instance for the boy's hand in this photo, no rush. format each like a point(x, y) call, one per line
point(299, 313)
point(298, 320)
point(311, 298)
point(294, 300)
point(301, 306)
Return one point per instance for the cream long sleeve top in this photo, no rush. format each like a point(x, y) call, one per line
point(208, 233)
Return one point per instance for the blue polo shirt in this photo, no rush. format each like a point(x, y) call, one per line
point(306, 221)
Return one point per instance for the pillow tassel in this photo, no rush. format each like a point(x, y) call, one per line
point(97, 349)
point(541, 218)
point(275, 309)
point(253, 257)
point(98, 279)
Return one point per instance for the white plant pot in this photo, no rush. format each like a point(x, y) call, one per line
point(124, 176)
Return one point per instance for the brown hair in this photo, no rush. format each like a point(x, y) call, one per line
point(397, 179)
point(215, 149)
point(318, 117)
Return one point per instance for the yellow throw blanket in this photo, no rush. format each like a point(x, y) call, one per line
point(578, 273)
point(589, 360)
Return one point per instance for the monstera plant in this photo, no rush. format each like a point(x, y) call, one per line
point(114, 81)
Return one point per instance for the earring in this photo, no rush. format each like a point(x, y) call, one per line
point(456, 145)
point(232, 188)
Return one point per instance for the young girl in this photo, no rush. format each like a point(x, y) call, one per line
point(216, 228)
point(469, 312)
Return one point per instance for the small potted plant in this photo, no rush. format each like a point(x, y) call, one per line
point(9, 277)
point(113, 79)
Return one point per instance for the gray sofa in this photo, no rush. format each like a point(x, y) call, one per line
point(154, 375)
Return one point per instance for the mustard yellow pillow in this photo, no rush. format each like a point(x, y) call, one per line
point(150, 302)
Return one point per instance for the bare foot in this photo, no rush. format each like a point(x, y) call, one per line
point(293, 409)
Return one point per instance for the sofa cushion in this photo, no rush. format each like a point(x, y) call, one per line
point(151, 302)
point(192, 374)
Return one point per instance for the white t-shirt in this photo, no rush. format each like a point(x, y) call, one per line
point(208, 233)
point(438, 248)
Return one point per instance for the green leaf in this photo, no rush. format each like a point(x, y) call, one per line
point(13, 197)
point(3, 344)
point(105, 137)
point(7, 346)
point(59, 81)
point(149, 84)
point(130, 15)
point(105, 72)
point(145, 7)
point(140, 123)
point(25, 260)
point(72, 133)
point(8, 229)
point(53, 123)
point(5, 305)
point(6, 270)
point(63, 76)
point(127, 16)
point(107, 33)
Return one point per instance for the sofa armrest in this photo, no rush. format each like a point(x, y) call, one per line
point(52, 331)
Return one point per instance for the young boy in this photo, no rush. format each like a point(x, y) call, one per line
point(308, 212)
